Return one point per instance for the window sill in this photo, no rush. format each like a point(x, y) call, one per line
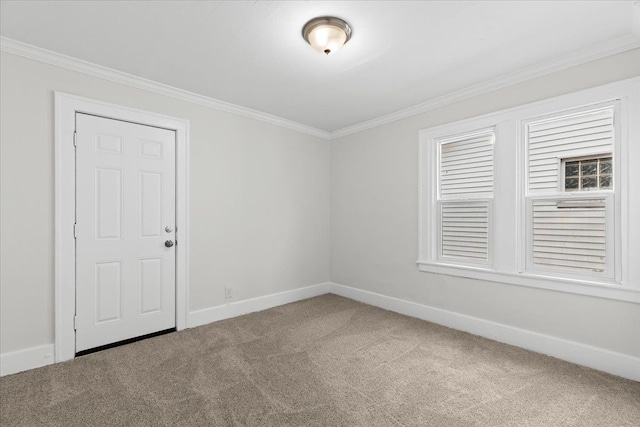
point(538, 281)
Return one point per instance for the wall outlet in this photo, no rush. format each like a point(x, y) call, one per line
point(227, 292)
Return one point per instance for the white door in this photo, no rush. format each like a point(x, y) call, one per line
point(125, 226)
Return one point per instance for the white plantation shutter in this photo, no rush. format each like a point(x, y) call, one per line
point(567, 136)
point(569, 235)
point(465, 230)
point(536, 195)
point(465, 166)
point(572, 238)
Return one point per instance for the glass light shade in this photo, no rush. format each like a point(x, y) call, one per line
point(327, 34)
point(327, 38)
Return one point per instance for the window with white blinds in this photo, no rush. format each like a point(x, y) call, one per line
point(465, 165)
point(539, 195)
point(569, 237)
point(568, 136)
point(465, 230)
point(568, 154)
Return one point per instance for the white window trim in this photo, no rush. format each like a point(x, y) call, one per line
point(66, 107)
point(510, 269)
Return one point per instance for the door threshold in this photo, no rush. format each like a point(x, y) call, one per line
point(124, 342)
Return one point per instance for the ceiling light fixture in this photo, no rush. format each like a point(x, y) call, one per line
point(327, 34)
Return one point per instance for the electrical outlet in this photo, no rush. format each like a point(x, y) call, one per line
point(227, 292)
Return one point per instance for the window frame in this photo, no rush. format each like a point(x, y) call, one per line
point(613, 275)
point(509, 256)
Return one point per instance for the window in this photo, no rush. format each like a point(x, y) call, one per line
point(588, 174)
point(465, 165)
point(567, 233)
point(537, 195)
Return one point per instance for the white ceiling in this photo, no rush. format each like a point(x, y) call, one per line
point(251, 53)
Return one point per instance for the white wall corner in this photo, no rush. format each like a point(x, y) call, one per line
point(28, 358)
point(581, 354)
point(239, 308)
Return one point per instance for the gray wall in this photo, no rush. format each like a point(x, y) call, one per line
point(259, 199)
point(260, 217)
point(374, 222)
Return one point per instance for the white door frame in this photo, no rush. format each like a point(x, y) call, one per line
point(66, 107)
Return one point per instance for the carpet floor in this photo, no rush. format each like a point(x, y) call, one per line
point(325, 361)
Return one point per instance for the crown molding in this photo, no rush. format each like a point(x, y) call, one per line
point(74, 64)
point(582, 56)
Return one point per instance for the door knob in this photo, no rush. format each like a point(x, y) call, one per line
point(168, 243)
point(168, 229)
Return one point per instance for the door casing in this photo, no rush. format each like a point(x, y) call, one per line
point(66, 107)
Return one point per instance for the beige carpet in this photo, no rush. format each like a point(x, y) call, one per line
point(326, 361)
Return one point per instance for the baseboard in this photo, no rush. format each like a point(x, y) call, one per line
point(234, 309)
point(36, 357)
point(23, 360)
point(593, 357)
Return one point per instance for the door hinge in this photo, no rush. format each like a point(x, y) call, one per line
point(75, 321)
point(75, 142)
point(74, 231)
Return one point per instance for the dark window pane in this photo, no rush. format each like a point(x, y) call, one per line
point(571, 184)
point(590, 168)
point(571, 169)
point(588, 174)
point(605, 167)
point(589, 182)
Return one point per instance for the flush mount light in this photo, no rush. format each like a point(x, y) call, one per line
point(326, 34)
